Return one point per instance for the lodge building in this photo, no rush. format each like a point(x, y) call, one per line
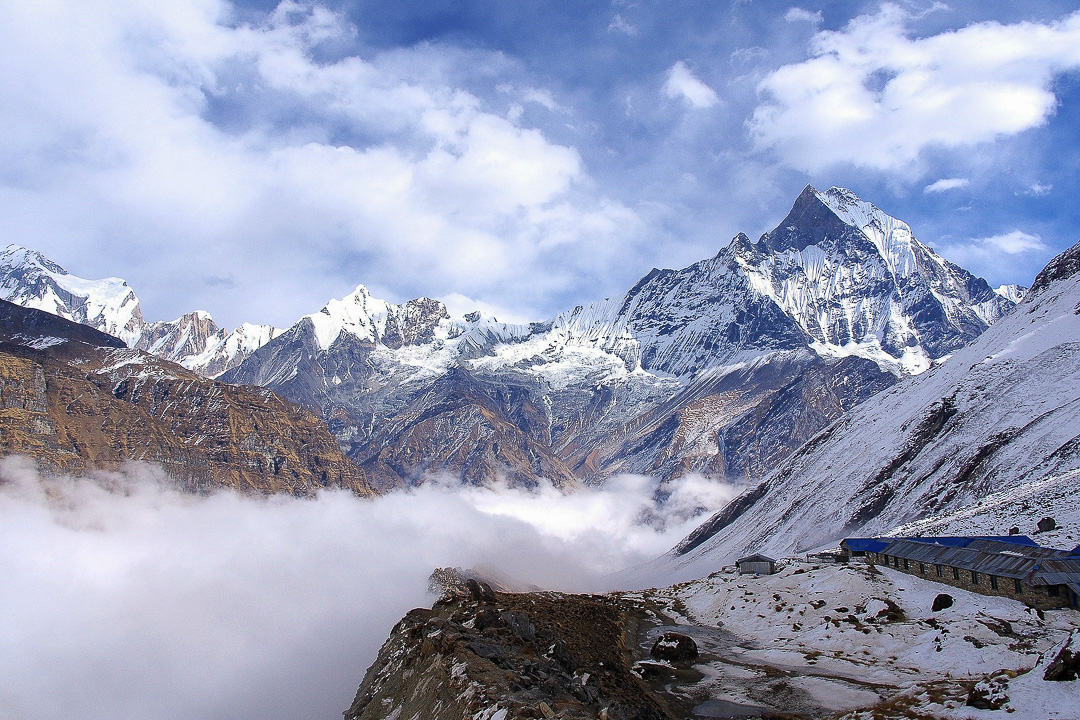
point(1014, 567)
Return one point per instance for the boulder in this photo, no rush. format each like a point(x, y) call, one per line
point(1047, 524)
point(1066, 663)
point(480, 591)
point(990, 693)
point(942, 601)
point(675, 647)
point(519, 624)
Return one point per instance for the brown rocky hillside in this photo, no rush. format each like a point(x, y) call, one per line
point(74, 406)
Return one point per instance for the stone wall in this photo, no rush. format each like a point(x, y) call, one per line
point(1037, 596)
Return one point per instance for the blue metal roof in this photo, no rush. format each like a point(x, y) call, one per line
point(1076, 550)
point(961, 542)
point(865, 544)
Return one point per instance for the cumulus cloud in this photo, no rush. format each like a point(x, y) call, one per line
point(984, 256)
point(681, 83)
point(874, 97)
point(798, 14)
point(126, 599)
point(621, 25)
point(180, 139)
point(944, 184)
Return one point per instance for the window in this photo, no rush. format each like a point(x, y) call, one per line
point(1018, 586)
point(939, 571)
point(906, 564)
point(974, 578)
point(956, 573)
point(922, 568)
point(993, 582)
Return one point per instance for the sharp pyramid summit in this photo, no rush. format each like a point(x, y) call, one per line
point(724, 367)
point(837, 276)
point(29, 279)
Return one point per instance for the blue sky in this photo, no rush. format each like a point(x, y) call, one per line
point(256, 159)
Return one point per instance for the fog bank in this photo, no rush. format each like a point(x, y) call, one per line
point(126, 599)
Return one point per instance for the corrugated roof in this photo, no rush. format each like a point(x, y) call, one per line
point(1035, 565)
point(1063, 571)
point(755, 558)
point(1003, 565)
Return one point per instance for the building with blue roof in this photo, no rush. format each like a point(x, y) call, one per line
point(1013, 566)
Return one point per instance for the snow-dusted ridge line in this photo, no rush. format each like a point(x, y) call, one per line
point(670, 324)
point(30, 279)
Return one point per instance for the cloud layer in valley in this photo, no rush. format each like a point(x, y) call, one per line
point(125, 599)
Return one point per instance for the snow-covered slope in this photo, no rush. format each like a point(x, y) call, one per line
point(860, 642)
point(1002, 413)
point(30, 279)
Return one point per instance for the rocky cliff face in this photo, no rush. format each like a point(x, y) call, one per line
point(999, 416)
point(500, 656)
point(75, 400)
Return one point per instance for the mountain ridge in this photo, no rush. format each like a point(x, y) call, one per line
point(998, 416)
point(836, 280)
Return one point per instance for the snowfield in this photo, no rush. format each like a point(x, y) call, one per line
point(821, 639)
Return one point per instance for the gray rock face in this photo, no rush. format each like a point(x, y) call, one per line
point(503, 655)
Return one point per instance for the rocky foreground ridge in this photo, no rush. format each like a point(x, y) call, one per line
point(75, 400)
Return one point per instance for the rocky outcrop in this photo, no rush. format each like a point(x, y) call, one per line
point(500, 656)
point(75, 406)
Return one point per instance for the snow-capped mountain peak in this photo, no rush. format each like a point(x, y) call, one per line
point(30, 279)
point(194, 340)
point(377, 321)
point(892, 238)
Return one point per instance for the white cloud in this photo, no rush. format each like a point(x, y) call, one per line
point(681, 83)
point(946, 184)
point(798, 14)
point(619, 24)
point(1011, 243)
point(873, 97)
point(984, 256)
point(172, 137)
point(1038, 189)
point(125, 600)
